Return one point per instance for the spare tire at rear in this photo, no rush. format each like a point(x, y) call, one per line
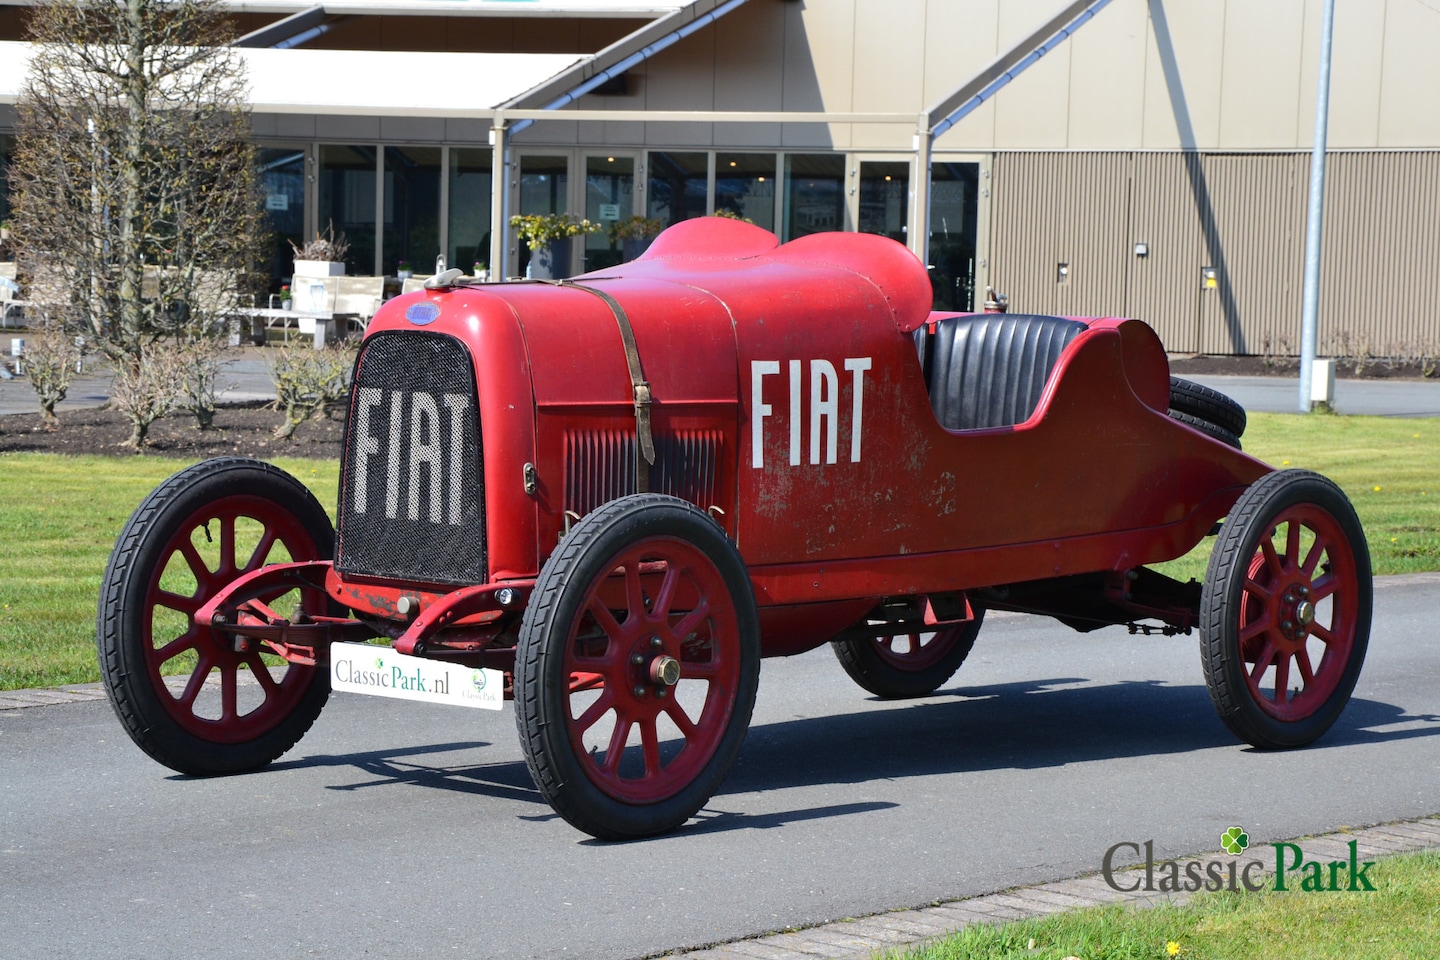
point(1204, 403)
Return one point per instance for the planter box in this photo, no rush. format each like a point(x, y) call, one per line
point(318, 268)
point(552, 261)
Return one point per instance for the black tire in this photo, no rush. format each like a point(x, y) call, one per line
point(151, 587)
point(1255, 628)
point(582, 670)
point(930, 660)
point(1207, 428)
point(1198, 400)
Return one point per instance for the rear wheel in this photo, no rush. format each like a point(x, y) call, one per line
point(1285, 612)
point(907, 664)
point(1206, 427)
point(637, 667)
point(180, 689)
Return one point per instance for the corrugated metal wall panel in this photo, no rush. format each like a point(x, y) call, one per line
point(1164, 288)
point(1255, 238)
point(1059, 208)
point(1244, 215)
point(1380, 272)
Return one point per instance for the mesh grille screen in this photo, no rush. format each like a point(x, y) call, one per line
point(411, 502)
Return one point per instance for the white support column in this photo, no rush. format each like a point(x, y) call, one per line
point(499, 194)
point(918, 231)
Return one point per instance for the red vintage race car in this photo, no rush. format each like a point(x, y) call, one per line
point(609, 498)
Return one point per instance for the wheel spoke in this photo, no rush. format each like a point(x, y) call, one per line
point(262, 674)
point(1267, 547)
point(681, 720)
point(196, 682)
point(174, 601)
point(261, 551)
point(595, 711)
point(228, 698)
point(227, 544)
point(1317, 550)
point(1292, 543)
point(699, 670)
point(1322, 633)
point(634, 596)
point(171, 650)
point(650, 744)
point(1255, 629)
point(1324, 587)
point(604, 619)
point(691, 620)
point(618, 736)
point(1282, 678)
point(1262, 662)
point(198, 569)
point(1302, 663)
point(1259, 590)
point(660, 607)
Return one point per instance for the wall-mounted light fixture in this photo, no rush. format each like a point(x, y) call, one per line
point(1062, 272)
point(1142, 249)
point(1209, 278)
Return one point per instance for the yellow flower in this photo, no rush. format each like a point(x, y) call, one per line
point(1394, 539)
point(1172, 948)
point(1284, 463)
point(1376, 489)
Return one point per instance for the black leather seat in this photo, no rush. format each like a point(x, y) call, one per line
point(989, 369)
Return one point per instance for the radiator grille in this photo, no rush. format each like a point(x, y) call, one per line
point(600, 466)
point(412, 505)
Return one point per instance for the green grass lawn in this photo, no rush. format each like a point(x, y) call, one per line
point(1401, 919)
point(59, 517)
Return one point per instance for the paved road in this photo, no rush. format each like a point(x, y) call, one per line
point(1381, 398)
point(402, 830)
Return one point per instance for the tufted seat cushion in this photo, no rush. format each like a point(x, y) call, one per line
point(989, 369)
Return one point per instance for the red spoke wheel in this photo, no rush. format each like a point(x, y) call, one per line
point(1285, 613)
point(181, 690)
point(907, 664)
point(637, 667)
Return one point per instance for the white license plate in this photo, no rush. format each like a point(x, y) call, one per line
point(382, 672)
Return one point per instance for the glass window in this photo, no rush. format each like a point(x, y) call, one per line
point(469, 237)
point(954, 216)
point(745, 186)
point(347, 200)
point(677, 185)
point(884, 197)
point(814, 193)
point(609, 196)
point(412, 209)
point(282, 181)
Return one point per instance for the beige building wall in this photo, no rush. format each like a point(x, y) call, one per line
point(1143, 74)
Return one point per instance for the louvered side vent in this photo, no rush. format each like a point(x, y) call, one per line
point(600, 466)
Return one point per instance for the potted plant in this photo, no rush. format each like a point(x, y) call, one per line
point(548, 235)
point(322, 257)
point(482, 270)
point(633, 234)
point(285, 296)
point(403, 270)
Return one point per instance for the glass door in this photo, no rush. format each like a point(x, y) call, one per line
point(955, 265)
point(882, 197)
point(609, 200)
point(542, 186)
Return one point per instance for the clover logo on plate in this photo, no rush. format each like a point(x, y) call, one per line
point(1234, 841)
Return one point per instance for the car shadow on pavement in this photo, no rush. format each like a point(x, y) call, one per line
point(1028, 725)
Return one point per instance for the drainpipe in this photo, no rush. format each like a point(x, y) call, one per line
point(1309, 314)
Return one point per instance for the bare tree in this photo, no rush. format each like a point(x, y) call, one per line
point(136, 202)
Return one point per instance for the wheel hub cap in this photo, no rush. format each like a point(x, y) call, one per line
point(1305, 613)
point(665, 671)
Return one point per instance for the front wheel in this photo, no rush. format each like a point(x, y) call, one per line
point(180, 689)
point(1285, 611)
point(637, 666)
